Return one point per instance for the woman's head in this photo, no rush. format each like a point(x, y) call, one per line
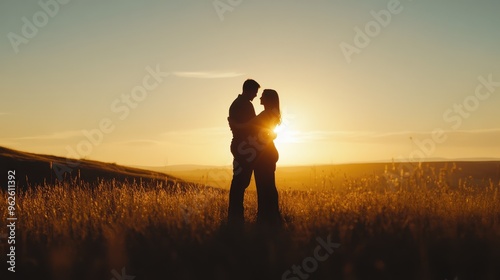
point(271, 101)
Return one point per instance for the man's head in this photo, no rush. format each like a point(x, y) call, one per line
point(250, 89)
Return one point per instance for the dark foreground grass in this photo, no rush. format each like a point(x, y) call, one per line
point(383, 230)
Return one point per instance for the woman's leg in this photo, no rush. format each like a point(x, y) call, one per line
point(268, 208)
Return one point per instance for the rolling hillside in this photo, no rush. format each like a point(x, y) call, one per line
point(35, 169)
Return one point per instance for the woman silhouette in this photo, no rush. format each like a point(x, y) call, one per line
point(263, 126)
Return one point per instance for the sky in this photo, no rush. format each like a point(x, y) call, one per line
point(149, 82)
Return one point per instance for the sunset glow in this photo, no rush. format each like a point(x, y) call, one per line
point(150, 82)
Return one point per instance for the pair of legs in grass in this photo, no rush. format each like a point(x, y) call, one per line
point(264, 168)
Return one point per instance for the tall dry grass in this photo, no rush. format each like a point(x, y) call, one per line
point(69, 227)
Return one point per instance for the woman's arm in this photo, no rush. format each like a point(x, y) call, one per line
point(263, 125)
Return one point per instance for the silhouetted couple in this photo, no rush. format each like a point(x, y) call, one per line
point(254, 151)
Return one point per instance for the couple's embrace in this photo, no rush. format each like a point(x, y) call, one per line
point(254, 151)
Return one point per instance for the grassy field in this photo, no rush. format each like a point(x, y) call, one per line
point(415, 226)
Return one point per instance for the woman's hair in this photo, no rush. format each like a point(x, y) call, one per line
point(273, 100)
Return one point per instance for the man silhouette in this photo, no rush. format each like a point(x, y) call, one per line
point(241, 111)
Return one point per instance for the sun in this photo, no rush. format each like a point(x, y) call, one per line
point(288, 142)
point(285, 134)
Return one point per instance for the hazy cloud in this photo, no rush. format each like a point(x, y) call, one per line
point(54, 136)
point(209, 131)
point(334, 135)
point(477, 137)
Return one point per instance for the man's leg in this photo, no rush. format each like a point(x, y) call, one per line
point(242, 173)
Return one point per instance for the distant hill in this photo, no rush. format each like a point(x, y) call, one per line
point(177, 168)
point(35, 169)
point(313, 176)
